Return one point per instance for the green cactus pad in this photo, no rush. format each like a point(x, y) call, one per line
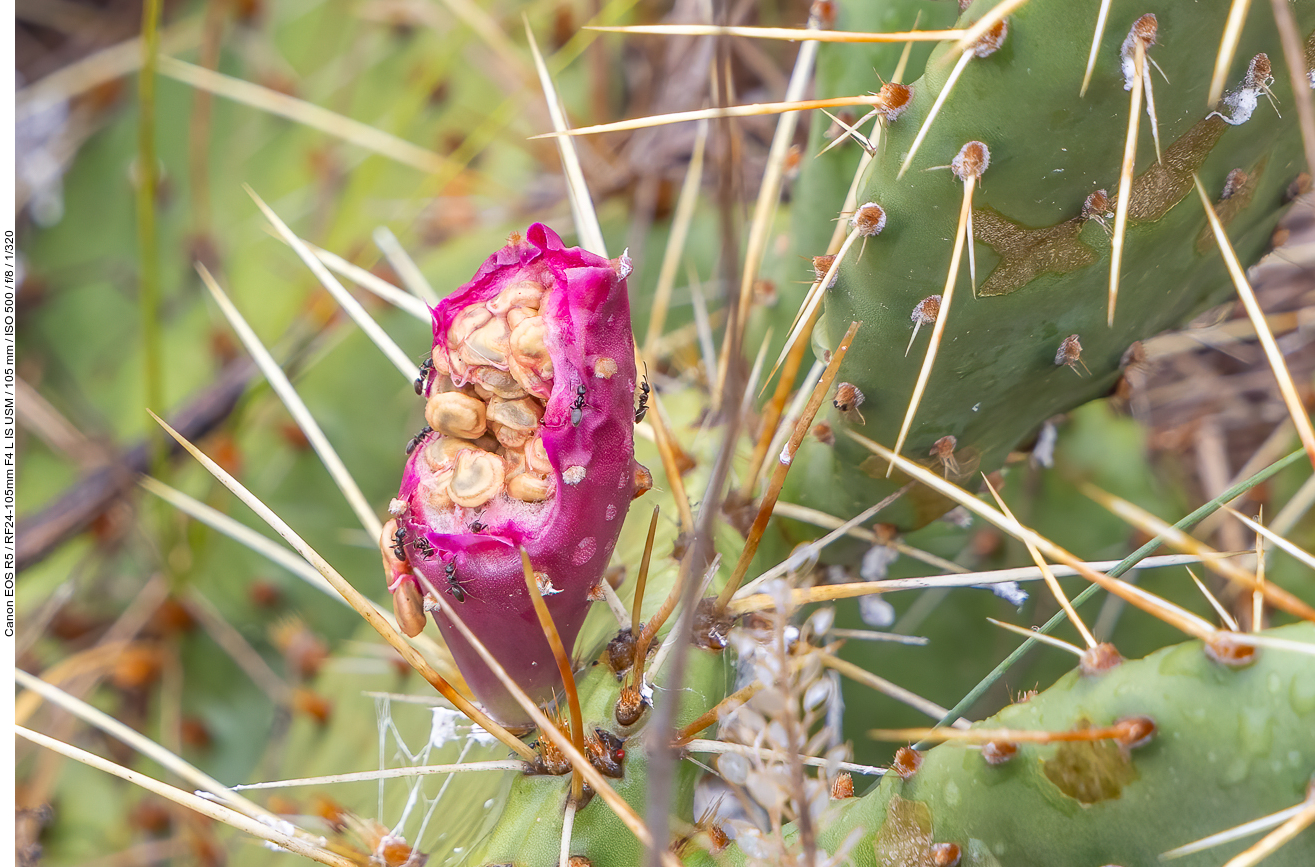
point(1231, 745)
point(1043, 271)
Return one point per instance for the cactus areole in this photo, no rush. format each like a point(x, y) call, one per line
point(530, 398)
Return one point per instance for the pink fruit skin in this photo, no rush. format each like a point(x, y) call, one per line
point(569, 537)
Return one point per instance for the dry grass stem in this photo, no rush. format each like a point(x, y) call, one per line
point(390, 774)
point(753, 110)
point(193, 802)
point(1246, 829)
point(359, 603)
point(1237, 14)
point(1276, 363)
point(1271, 842)
point(1125, 176)
point(307, 114)
point(672, 255)
point(582, 204)
point(278, 380)
point(1157, 607)
point(1101, 17)
point(563, 660)
point(885, 687)
point(788, 34)
point(938, 327)
point(782, 467)
point(1047, 574)
point(1144, 520)
point(350, 305)
point(401, 262)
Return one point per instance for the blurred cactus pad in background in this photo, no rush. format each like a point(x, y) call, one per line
point(865, 432)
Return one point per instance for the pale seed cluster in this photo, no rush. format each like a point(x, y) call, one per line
point(492, 376)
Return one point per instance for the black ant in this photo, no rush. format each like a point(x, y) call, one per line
point(478, 526)
point(426, 550)
point(450, 573)
point(399, 544)
point(644, 390)
point(577, 408)
point(423, 379)
point(418, 439)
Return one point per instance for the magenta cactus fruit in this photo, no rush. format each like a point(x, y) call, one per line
point(530, 399)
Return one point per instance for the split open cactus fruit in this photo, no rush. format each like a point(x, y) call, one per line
point(529, 445)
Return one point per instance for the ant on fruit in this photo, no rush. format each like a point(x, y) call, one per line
point(426, 550)
point(644, 391)
point(577, 408)
point(418, 439)
point(450, 573)
point(478, 526)
point(399, 544)
point(423, 378)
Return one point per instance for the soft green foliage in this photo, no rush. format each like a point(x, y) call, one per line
point(1230, 745)
point(1043, 271)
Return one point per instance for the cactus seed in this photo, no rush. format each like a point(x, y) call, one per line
point(456, 414)
point(477, 477)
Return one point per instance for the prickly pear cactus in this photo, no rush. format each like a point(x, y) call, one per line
point(1042, 239)
point(1228, 745)
point(529, 445)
